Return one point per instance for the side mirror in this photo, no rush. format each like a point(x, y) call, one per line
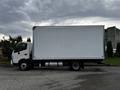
point(15, 51)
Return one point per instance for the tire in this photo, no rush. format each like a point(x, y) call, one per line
point(75, 66)
point(23, 65)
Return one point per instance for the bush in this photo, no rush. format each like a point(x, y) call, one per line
point(109, 49)
point(6, 49)
point(118, 50)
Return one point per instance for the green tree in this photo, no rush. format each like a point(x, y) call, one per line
point(9, 45)
point(19, 39)
point(28, 40)
point(118, 49)
point(6, 49)
point(109, 49)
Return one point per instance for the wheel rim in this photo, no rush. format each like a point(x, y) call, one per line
point(76, 66)
point(23, 66)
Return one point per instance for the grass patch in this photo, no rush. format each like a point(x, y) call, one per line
point(4, 60)
point(112, 61)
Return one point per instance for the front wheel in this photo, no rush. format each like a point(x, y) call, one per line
point(23, 66)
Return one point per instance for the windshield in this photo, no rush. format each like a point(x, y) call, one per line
point(20, 47)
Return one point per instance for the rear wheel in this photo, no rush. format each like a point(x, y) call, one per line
point(23, 66)
point(75, 66)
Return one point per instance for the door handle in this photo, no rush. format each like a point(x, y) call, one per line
point(25, 54)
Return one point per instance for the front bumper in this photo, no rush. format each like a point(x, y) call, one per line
point(13, 64)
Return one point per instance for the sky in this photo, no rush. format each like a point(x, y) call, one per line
point(17, 17)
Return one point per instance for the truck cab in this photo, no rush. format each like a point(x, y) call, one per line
point(21, 52)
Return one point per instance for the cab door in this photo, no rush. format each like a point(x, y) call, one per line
point(21, 52)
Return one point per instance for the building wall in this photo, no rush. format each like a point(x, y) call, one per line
point(112, 34)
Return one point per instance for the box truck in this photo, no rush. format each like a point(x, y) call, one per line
point(71, 45)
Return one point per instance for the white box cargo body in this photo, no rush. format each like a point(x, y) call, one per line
point(69, 45)
point(68, 42)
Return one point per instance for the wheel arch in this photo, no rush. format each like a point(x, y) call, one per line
point(22, 60)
